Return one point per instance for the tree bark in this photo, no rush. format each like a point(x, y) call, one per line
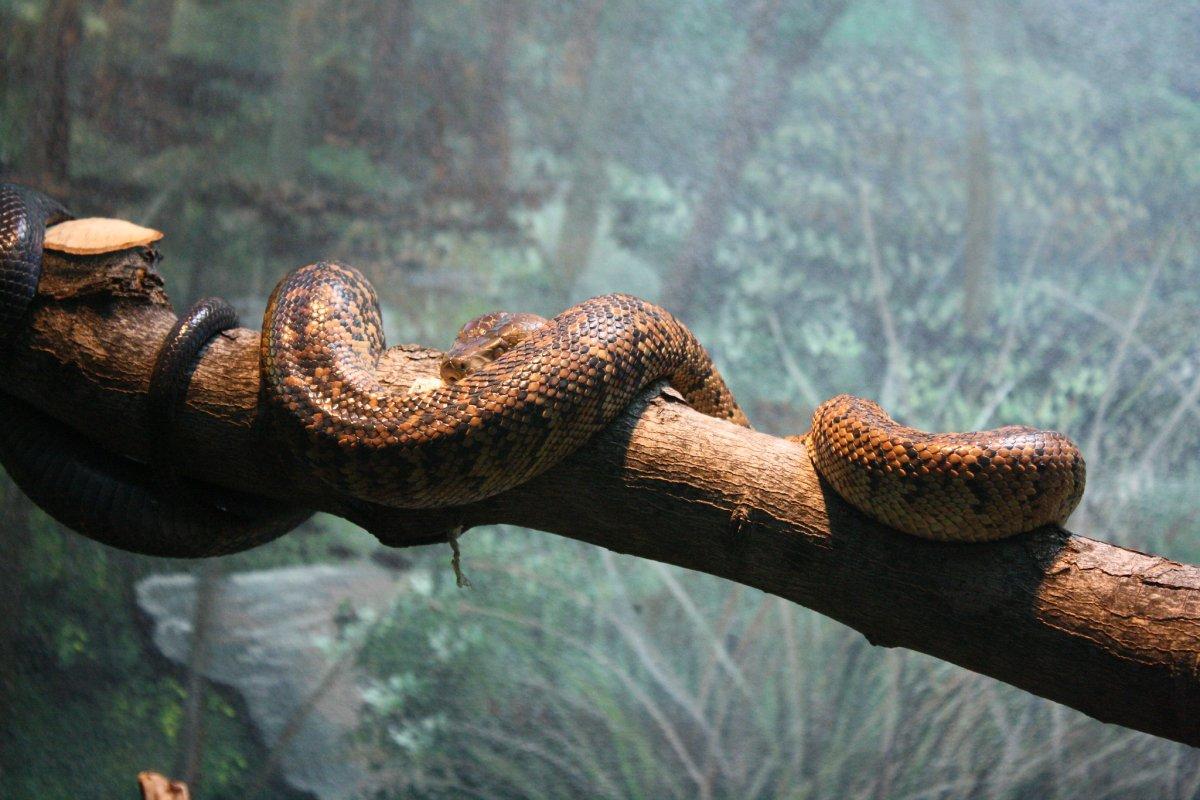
point(1112, 632)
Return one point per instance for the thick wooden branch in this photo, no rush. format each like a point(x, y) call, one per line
point(1109, 631)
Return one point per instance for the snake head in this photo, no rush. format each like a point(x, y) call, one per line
point(484, 339)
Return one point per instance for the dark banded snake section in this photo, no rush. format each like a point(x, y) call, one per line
point(147, 509)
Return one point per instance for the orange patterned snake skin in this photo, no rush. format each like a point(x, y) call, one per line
point(537, 396)
point(950, 486)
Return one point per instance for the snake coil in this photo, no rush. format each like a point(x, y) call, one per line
point(114, 500)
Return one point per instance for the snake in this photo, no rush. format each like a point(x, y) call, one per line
point(148, 509)
point(520, 393)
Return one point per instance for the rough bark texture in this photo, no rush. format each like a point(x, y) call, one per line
point(1112, 632)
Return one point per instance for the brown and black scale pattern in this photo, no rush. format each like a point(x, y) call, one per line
point(497, 427)
point(518, 414)
point(972, 486)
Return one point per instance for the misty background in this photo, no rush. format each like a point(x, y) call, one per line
point(976, 213)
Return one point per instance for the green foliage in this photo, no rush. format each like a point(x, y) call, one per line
point(261, 136)
point(91, 705)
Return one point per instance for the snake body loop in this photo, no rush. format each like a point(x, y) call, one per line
point(242, 520)
point(493, 429)
point(114, 500)
point(169, 379)
point(109, 498)
point(972, 486)
point(523, 393)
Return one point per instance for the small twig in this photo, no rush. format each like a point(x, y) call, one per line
point(460, 578)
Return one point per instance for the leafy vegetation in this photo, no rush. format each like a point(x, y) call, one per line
point(800, 181)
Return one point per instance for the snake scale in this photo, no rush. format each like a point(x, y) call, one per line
point(519, 394)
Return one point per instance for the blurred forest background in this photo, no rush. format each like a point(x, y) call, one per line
point(974, 212)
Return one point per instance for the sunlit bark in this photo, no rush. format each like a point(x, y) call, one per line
point(154, 786)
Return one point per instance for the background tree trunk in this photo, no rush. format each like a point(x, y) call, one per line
point(388, 81)
point(14, 533)
point(288, 129)
point(588, 186)
point(979, 228)
point(494, 158)
point(191, 738)
point(50, 150)
point(754, 107)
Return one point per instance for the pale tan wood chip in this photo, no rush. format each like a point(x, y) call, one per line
point(94, 235)
point(159, 787)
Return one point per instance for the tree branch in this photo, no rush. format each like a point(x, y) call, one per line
point(1111, 632)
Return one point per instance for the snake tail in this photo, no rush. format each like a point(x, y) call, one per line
point(247, 520)
point(172, 371)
